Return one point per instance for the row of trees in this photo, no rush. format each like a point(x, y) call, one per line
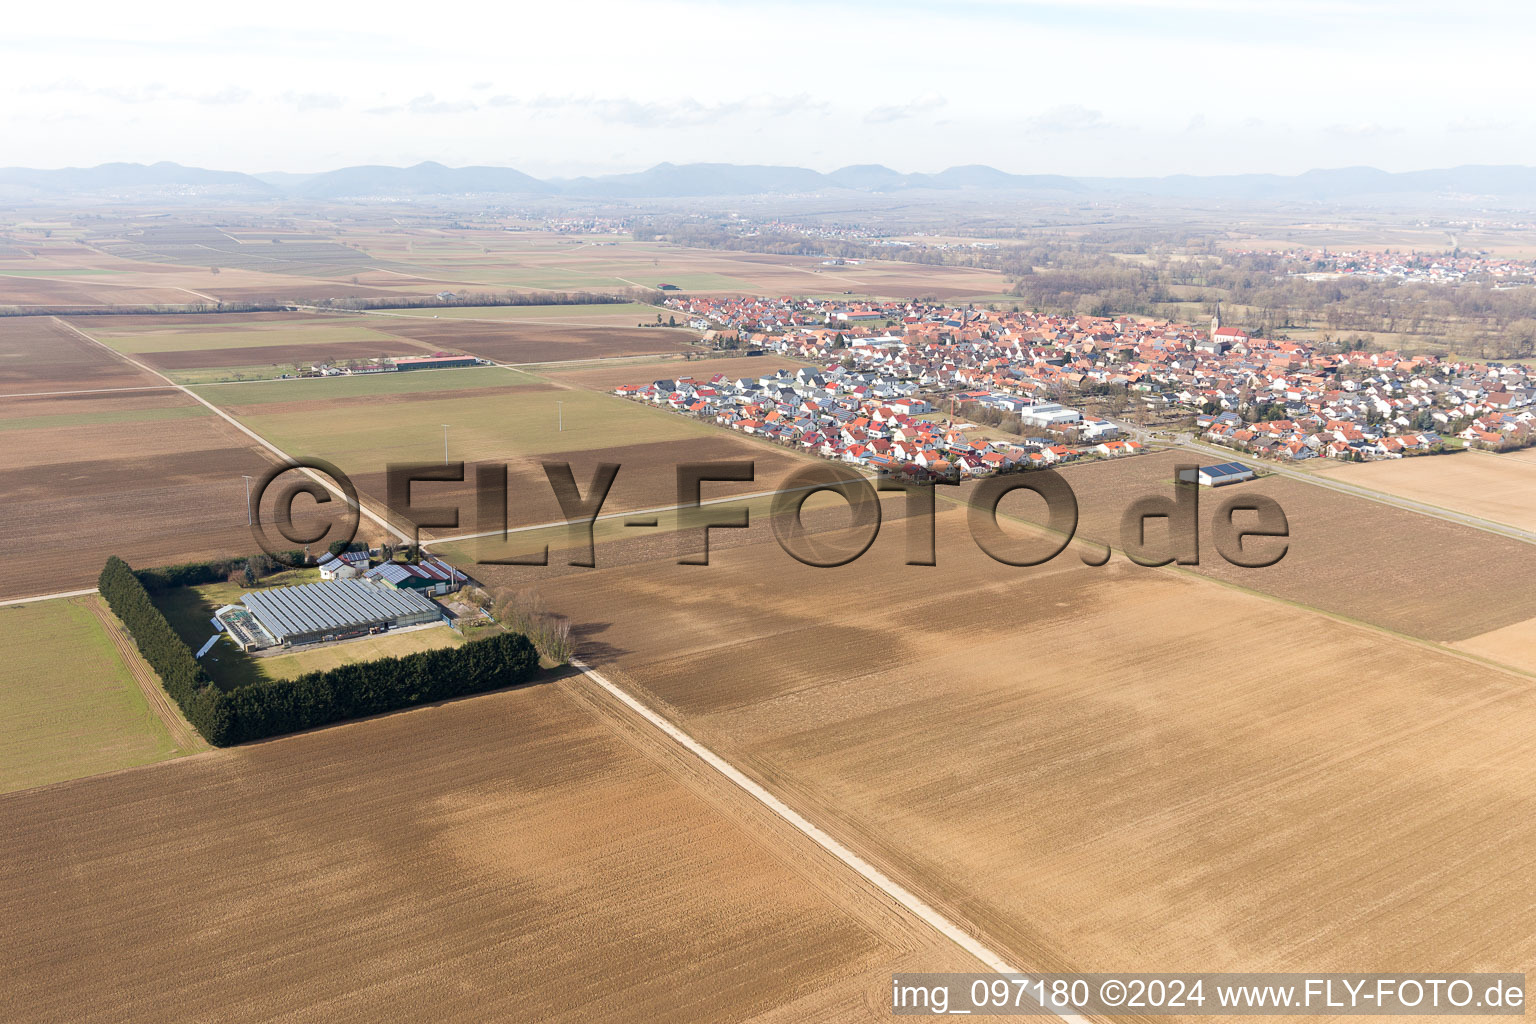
point(316, 698)
point(373, 687)
point(183, 678)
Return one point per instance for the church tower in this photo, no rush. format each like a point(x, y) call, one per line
point(1216, 320)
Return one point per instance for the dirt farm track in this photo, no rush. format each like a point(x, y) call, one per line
point(1057, 759)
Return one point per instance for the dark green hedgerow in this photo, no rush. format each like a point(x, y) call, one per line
point(316, 698)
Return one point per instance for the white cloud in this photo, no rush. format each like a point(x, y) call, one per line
point(426, 103)
point(889, 112)
point(1362, 130)
point(681, 112)
point(1071, 117)
point(1467, 123)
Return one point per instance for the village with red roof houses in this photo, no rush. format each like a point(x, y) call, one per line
point(887, 378)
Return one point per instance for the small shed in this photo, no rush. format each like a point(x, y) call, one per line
point(1220, 476)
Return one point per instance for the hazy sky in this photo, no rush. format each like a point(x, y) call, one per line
point(564, 87)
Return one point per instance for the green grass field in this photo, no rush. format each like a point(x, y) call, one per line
point(316, 332)
point(500, 424)
point(321, 388)
point(71, 705)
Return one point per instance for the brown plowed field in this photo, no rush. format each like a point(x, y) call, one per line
point(37, 354)
point(78, 407)
point(154, 491)
point(75, 292)
point(1383, 565)
point(523, 856)
point(529, 343)
point(1094, 767)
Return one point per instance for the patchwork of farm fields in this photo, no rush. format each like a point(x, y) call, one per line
point(527, 855)
point(1084, 764)
point(148, 475)
point(64, 275)
point(201, 348)
point(1326, 764)
point(190, 264)
point(542, 261)
point(493, 415)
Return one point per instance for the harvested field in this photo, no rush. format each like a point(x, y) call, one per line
point(518, 856)
point(154, 484)
point(37, 354)
point(1513, 645)
point(74, 700)
point(1492, 487)
point(1078, 761)
point(1526, 455)
point(1349, 556)
point(542, 343)
point(606, 378)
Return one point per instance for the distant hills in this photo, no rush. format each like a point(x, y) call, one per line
point(676, 181)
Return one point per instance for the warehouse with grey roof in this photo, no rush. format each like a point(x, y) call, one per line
point(337, 609)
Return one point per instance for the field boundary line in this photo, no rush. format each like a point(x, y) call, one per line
point(871, 874)
point(90, 391)
point(48, 597)
point(283, 456)
point(182, 734)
